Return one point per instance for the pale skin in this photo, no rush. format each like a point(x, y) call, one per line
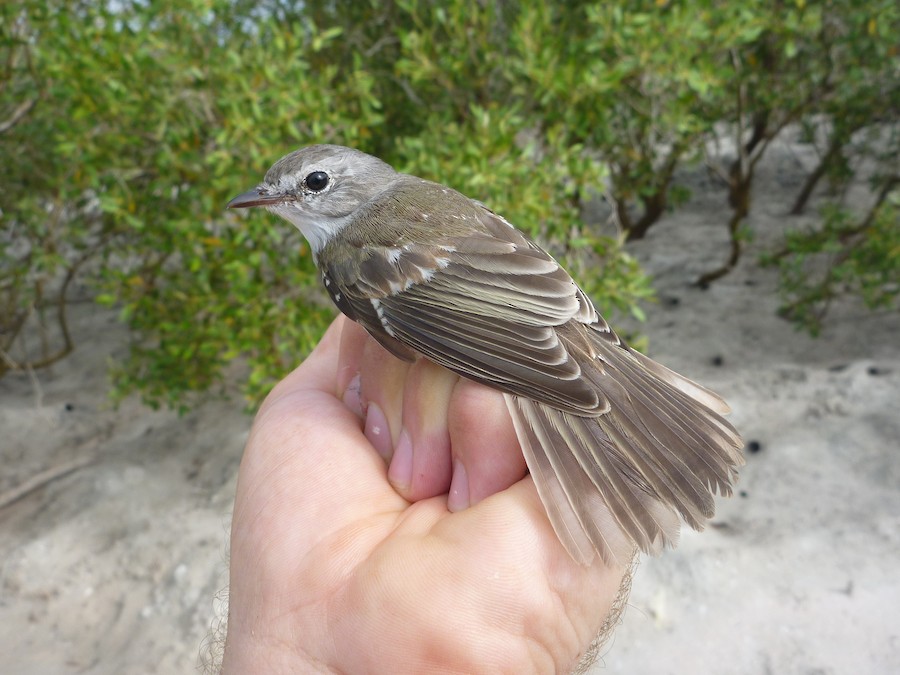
point(355, 550)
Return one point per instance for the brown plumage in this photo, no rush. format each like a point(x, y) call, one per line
point(618, 445)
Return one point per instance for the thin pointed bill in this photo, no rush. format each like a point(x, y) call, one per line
point(254, 198)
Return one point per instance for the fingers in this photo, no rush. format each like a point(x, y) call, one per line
point(486, 454)
point(353, 342)
point(382, 380)
point(437, 432)
point(420, 467)
point(406, 419)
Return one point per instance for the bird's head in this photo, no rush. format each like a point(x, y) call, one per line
point(318, 189)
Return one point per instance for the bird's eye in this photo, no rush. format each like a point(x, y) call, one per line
point(317, 181)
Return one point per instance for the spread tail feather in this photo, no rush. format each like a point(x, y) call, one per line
point(621, 479)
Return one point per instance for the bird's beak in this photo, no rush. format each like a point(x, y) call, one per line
point(254, 198)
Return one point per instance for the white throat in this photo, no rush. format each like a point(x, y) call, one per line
point(317, 229)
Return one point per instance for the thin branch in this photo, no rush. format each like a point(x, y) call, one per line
point(846, 235)
point(655, 204)
point(813, 179)
point(44, 478)
point(17, 115)
point(61, 316)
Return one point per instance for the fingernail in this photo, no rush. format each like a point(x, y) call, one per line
point(353, 397)
point(458, 499)
point(400, 473)
point(378, 432)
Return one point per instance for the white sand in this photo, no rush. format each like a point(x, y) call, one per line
point(115, 567)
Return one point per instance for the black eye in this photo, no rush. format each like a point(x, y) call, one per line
point(317, 181)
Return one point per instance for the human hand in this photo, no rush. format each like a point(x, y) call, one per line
point(445, 561)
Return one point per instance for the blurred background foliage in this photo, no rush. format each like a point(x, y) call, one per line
point(125, 126)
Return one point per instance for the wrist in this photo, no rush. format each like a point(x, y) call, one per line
point(248, 650)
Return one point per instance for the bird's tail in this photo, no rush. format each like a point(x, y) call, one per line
point(621, 479)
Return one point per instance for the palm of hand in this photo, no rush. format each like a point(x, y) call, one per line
point(334, 568)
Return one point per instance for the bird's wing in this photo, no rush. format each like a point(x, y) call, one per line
point(486, 304)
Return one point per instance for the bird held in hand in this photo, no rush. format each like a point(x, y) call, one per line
point(618, 445)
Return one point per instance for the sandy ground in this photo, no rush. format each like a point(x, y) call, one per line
point(119, 566)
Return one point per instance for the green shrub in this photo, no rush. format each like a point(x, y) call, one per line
point(125, 128)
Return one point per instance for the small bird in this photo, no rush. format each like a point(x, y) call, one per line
point(618, 445)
